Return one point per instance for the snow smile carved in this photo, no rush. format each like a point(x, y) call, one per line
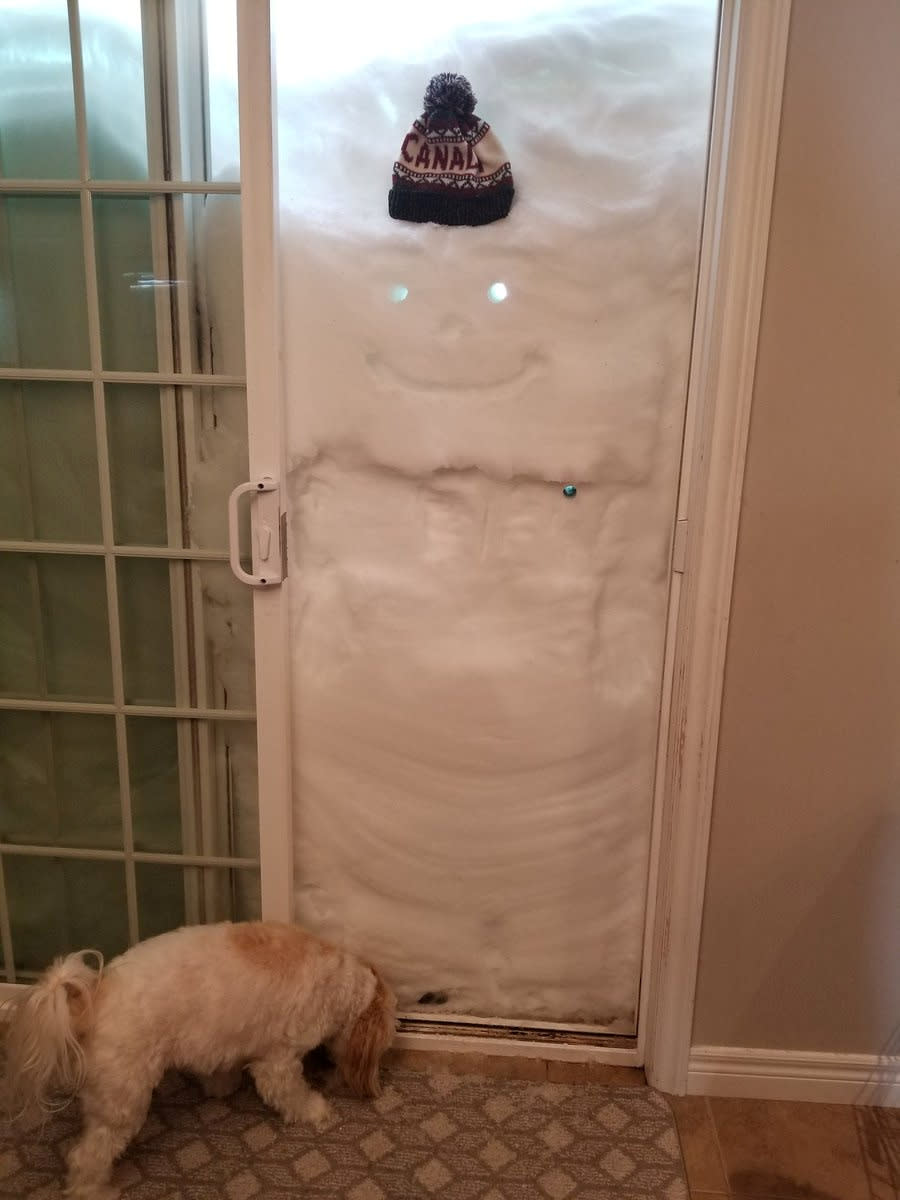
point(391, 378)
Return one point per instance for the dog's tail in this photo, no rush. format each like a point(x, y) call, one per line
point(44, 1054)
point(368, 1038)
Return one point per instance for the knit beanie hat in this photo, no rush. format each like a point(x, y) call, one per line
point(452, 169)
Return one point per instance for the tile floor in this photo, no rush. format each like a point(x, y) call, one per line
point(739, 1149)
point(763, 1149)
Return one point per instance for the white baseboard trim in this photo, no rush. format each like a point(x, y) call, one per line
point(794, 1075)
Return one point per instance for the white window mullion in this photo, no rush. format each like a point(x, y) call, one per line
point(157, 378)
point(119, 187)
point(184, 113)
point(99, 708)
point(82, 853)
point(265, 410)
point(89, 549)
point(173, 356)
point(106, 510)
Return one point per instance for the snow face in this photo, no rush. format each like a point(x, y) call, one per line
point(477, 656)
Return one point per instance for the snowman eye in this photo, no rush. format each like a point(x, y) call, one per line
point(497, 292)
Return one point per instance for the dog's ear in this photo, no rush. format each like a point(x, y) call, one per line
point(369, 1037)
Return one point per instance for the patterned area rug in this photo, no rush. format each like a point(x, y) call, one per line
point(449, 1137)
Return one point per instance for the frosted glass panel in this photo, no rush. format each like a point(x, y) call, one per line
point(221, 464)
point(155, 793)
point(223, 611)
point(232, 895)
point(221, 56)
point(114, 88)
point(235, 751)
point(37, 110)
point(214, 224)
point(160, 892)
point(137, 463)
point(227, 608)
point(49, 488)
point(127, 283)
point(137, 468)
point(60, 905)
point(227, 752)
point(42, 291)
point(168, 285)
point(145, 614)
point(139, 301)
point(59, 780)
point(54, 634)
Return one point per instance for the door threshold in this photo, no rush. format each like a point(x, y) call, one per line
point(488, 1039)
point(543, 1032)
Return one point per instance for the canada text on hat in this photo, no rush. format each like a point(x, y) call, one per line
point(452, 170)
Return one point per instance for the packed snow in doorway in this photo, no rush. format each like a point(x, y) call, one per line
point(477, 655)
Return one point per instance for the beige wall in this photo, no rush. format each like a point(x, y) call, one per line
point(801, 939)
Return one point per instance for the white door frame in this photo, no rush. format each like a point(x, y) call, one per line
point(743, 147)
point(266, 429)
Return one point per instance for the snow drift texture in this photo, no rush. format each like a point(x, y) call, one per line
point(477, 658)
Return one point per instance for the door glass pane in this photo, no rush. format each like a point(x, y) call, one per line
point(227, 895)
point(114, 88)
point(234, 753)
point(212, 226)
point(221, 56)
point(168, 284)
point(216, 804)
point(49, 487)
point(207, 465)
point(59, 780)
point(221, 609)
point(127, 282)
point(54, 634)
point(145, 615)
point(43, 320)
point(144, 304)
point(221, 463)
point(37, 109)
point(136, 464)
point(227, 618)
point(58, 905)
point(161, 899)
point(155, 788)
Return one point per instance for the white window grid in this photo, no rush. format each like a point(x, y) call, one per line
point(177, 134)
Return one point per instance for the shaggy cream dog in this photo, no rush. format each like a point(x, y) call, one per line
point(209, 999)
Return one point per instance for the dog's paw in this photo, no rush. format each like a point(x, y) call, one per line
point(317, 1110)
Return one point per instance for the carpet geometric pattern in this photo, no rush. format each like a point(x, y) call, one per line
point(447, 1137)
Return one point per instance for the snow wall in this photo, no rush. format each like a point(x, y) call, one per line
point(477, 657)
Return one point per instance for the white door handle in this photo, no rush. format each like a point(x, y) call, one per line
point(265, 542)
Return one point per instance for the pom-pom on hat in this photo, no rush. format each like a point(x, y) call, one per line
point(451, 169)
